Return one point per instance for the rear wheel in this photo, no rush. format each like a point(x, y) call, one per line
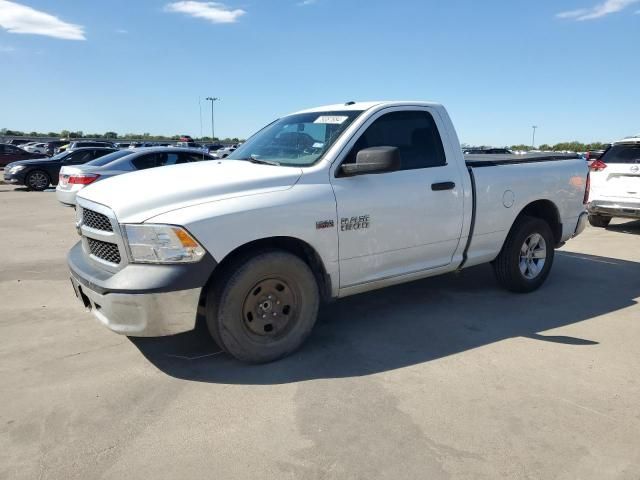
point(526, 257)
point(599, 221)
point(37, 180)
point(263, 307)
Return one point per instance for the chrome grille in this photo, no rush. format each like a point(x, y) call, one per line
point(104, 250)
point(96, 220)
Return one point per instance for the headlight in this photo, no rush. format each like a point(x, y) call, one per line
point(16, 169)
point(162, 244)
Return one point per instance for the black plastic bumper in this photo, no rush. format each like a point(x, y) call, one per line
point(139, 278)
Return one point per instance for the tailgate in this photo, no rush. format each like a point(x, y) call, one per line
point(621, 176)
point(621, 181)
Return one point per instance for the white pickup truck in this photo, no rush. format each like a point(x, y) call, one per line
point(318, 205)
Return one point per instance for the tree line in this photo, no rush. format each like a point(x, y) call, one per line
point(5, 132)
point(574, 146)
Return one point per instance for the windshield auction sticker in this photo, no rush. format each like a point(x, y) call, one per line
point(331, 119)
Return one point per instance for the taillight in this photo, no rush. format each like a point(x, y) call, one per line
point(83, 179)
point(597, 166)
point(587, 189)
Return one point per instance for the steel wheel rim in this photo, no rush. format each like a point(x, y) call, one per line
point(38, 180)
point(270, 309)
point(533, 256)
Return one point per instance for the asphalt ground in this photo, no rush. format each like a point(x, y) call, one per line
point(448, 377)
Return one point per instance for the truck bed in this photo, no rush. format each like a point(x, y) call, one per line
point(480, 160)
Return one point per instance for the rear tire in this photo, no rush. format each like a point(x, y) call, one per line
point(263, 307)
point(37, 180)
point(526, 257)
point(599, 221)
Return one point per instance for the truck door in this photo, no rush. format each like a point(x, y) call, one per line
point(401, 222)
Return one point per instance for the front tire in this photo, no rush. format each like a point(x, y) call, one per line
point(599, 221)
point(526, 257)
point(263, 307)
point(37, 180)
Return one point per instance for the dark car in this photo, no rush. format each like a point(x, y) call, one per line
point(18, 141)
point(38, 174)
point(11, 153)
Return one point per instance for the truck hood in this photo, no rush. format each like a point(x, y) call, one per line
point(138, 196)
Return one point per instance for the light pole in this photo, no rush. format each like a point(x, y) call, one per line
point(212, 99)
point(533, 140)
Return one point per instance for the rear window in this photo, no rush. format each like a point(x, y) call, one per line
point(622, 154)
point(102, 161)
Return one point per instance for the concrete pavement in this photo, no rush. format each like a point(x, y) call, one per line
point(449, 377)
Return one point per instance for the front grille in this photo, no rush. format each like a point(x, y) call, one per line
point(96, 220)
point(104, 250)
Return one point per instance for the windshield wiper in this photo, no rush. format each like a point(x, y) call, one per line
point(260, 161)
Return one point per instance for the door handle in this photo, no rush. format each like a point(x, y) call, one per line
point(438, 187)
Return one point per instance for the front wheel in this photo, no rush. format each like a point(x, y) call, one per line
point(526, 257)
point(263, 307)
point(599, 221)
point(37, 180)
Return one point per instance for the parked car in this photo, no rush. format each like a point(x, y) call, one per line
point(18, 141)
point(84, 144)
point(53, 145)
point(39, 174)
point(133, 145)
point(11, 153)
point(320, 204)
point(488, 151)
point(225, 152)
point(72, 179)
point(188, 145)
point(593, 155)
point(123, 144)
point(615, 183)
point(212, 147)
point(36, 148)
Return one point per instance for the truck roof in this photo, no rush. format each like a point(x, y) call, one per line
point(366, 106)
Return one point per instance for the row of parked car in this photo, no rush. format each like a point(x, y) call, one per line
point(20, 149)
point(74, 169)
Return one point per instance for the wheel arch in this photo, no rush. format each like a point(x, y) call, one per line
point(544, 210)
point(293, 245)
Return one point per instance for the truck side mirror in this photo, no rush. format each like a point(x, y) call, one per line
point(373, 160)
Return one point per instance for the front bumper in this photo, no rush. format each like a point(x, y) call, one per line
point(615, 209)
point(13, 178)
point(141, 300)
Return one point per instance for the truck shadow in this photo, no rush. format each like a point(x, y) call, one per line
point(631, 227)
point(417, 322)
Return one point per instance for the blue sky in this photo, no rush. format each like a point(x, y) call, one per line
point(569, 66)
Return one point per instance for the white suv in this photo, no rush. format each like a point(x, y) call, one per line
point(615, 183)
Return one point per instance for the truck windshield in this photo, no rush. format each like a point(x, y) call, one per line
point(296, 140)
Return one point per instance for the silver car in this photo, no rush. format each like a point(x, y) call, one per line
point(75, 178)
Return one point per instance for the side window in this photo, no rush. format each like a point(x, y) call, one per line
point(186, 157)
point(80, 157)
point(414, 133)
point(170, 159)
point(1, 148)
point(146, 161)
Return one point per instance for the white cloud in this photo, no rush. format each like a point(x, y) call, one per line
point(304, 3)
point(17, 18)
point(122, 31)
point(602, 9)
point(7, 49)
point(212, 11)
